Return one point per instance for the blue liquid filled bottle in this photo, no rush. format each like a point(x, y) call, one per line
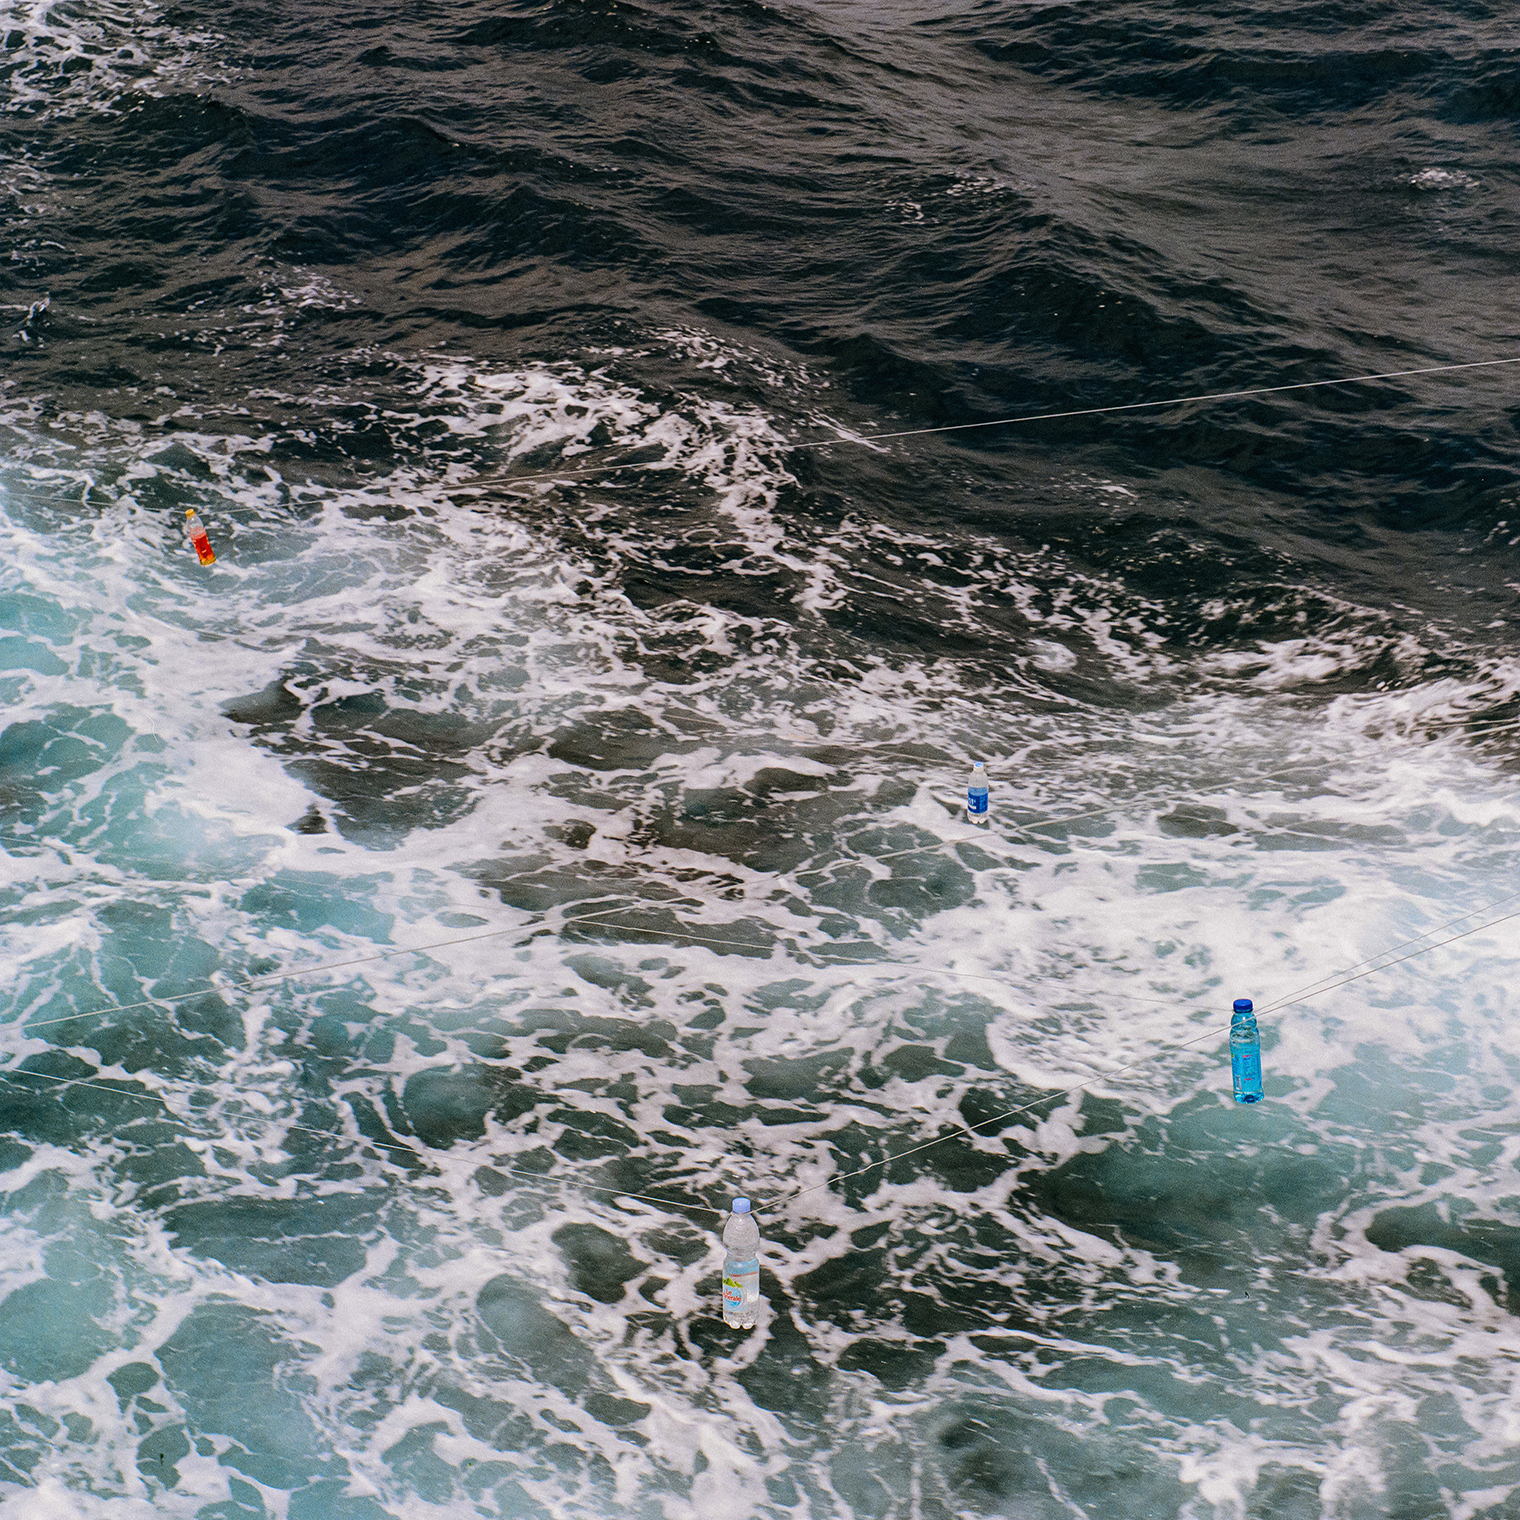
point(976, 792)
point(1245, 1053)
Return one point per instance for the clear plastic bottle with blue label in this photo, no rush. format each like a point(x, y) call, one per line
point(1245, 1053)
point(976, 793)
point(741, 1268)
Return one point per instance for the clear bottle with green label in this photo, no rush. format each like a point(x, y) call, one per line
point(741, 1268)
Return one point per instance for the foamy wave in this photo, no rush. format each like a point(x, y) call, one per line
point(1442, 179)
point(394, 714)
point(62, 58)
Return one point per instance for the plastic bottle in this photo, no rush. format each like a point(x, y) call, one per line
point(1245, 1053)
point(195, 531)
point(741, 1268)
point(976, 792)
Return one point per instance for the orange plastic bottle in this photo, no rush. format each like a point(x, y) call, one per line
point(195, 531)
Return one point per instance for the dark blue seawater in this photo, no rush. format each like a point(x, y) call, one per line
point(481, 334)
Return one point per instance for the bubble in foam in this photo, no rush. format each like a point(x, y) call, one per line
point(1442, 179)
point(62, 60)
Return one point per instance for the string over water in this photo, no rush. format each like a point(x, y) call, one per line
point(1135, 406)
point(291, 973)
point(606, 918)
point(481, 481)
point(1312, 989)
point(328, 1134)
point(1145, 1060)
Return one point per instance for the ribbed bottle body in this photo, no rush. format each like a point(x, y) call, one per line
point(1245, 1053)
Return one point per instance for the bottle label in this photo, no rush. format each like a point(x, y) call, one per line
point(739, 1288)
point(976, 802)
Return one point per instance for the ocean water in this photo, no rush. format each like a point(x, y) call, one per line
point(545, 819)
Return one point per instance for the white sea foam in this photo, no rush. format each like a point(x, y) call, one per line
point(62, 58)
point(1442, 179)
point(157, 842)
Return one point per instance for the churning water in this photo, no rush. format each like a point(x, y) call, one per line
point(672, 751)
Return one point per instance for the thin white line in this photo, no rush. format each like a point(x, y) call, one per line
point(1313, 989)
point(480, 482)
point(418, 1149)
point(1134, 406)
point(246, 984)
point(1045, 823)
point(1296, 997)
point(212, 988)
point(895, 969)
point(1107, 1076)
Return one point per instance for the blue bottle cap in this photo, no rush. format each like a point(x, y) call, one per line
point(1242, 1005)
point(741, 1205)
